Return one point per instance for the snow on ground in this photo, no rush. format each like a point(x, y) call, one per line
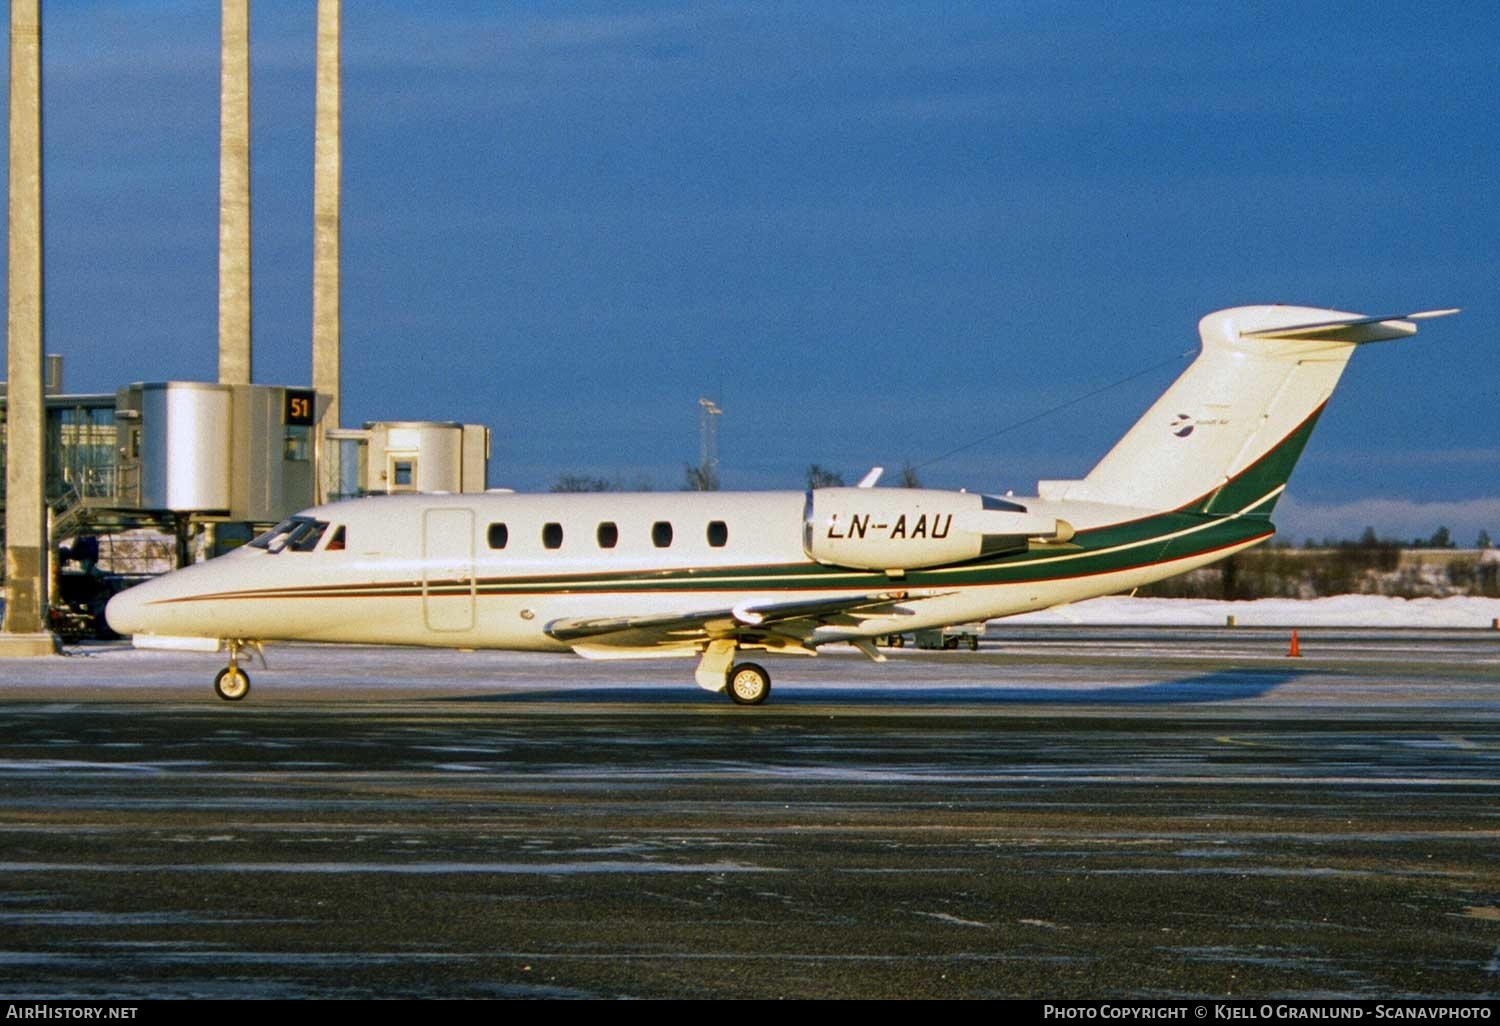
point(1335, 611)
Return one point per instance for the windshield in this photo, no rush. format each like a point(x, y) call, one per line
point(300, 534)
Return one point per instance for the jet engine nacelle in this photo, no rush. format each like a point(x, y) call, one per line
point(913, 528)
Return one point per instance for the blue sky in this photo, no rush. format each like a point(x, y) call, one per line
point(876, 231)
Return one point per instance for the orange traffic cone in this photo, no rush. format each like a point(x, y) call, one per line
point(1295, 652)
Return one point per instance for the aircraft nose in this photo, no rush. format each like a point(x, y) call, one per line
point(126, 611)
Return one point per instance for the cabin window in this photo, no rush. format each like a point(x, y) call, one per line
point(718, 534)
point(609, 535)
point(552, 536)
point(336, 543)
point(401, 473)
point(498, 536)
point(661, 534)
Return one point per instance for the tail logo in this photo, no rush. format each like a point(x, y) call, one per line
point(1182, 425)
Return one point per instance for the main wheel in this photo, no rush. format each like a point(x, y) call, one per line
point(749, 684)
point(232, 684)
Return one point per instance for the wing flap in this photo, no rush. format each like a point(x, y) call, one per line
point(786, 622)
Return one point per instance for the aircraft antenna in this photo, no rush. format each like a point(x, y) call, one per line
point(1060, 407)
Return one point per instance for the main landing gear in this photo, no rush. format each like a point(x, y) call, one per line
point(233, 683)
point(745, 683)
point(749, 684)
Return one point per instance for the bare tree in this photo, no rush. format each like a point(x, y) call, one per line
point(584, 483)
point(817, 477)
point(700, 479)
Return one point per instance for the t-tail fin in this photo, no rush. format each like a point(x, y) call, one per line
point(1224, 437)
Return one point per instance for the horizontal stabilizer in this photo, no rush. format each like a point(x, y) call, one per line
point(1354, 330)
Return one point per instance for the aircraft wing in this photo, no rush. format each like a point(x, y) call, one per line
point(773, 624)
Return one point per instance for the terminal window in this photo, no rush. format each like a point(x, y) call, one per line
point(298, 444)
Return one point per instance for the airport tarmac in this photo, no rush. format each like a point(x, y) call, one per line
point(1069, 812)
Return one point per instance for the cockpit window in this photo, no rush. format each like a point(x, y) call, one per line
point(300, 534)
point(307, 539)
point(336, 543)
point(276, 534)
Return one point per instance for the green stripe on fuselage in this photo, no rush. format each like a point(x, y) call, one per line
point(1235, 515)
point(1149, 541)
point(1163, 538)
point(1262, 478)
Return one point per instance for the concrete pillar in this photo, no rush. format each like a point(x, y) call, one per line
point(24, 632)
point(327, 167)
point(234, 195)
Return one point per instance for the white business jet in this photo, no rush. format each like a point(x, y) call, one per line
point(709, 575)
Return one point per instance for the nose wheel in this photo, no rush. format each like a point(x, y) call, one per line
point(749, 684)
point(232, 683)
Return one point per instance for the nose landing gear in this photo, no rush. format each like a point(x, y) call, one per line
point(233, 683)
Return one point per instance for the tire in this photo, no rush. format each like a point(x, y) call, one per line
point(973, 643)
point(897, 640)
point(950, 643)
point(232, 684)
point(748, 684)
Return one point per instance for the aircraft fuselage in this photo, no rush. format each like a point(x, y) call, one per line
point(496, 570)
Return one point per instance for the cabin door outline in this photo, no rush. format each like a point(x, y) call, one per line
point(448, 569)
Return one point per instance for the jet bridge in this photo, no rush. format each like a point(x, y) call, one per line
point(239, 453)
point(388, 457)
point(174, 454)
point(177, 455)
